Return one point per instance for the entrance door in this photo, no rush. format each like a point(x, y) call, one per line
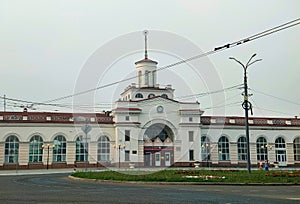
point(167, 159)
point(148, 159)
point(157, 159)
point(281, 157)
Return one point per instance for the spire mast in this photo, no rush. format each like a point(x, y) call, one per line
point(145, 34)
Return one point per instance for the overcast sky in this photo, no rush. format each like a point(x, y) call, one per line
point(44, 46)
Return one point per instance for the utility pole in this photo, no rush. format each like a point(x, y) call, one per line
point(247, 105)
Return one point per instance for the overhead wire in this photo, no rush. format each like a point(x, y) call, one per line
point(217, 49)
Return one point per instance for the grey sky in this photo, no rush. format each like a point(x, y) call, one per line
point(44, 44)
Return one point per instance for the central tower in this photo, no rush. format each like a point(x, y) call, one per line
point(146, 80)
point(146, 69)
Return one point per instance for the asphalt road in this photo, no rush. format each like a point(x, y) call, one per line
point(58, 188)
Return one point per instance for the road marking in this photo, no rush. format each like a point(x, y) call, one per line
point(293, 198)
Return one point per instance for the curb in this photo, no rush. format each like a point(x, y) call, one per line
point(179, 183)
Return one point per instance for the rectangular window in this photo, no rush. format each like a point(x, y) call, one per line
point(191, 136)
point(127, 155)
point(127, 118)
point(127, 135)
point(191, 154)
point(191, 119)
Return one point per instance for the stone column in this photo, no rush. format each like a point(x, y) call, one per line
point(71, 152)
point(233, 150)
point(290, 154)
point(214, 153)
point(23, 153)
point(253, 153)
point(93, 152)
point(271, 153)
point(2, 153)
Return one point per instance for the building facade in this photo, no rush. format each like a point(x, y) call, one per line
point(147, 128)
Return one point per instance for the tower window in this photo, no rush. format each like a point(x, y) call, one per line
point(139, 95)
point(151, 95)
point(127, 135)
point(164, 95)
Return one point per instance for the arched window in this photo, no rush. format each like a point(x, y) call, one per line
point(36, 149)
point(261, 149)
point(242, 148)
point(153, 78)
point(280, 151)
point(151, 95)
point(11, 149)
point(297, 149)
point(147, 78)
point(223, 149)
point(59, 150)
point(81, 149)
point(140, 78)
point(103, 149)
point(164, 95)
point(205, 148)
point(139, 95)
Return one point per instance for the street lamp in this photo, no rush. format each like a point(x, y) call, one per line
point(246, 104)
point(48, 149)
point(206, 146)
point(86, 129)
point(120, 146)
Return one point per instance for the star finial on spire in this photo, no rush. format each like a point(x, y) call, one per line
point(145, 32)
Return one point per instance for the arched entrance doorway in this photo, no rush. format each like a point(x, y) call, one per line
point(158, 145)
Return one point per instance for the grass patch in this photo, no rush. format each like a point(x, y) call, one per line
point(227, 176)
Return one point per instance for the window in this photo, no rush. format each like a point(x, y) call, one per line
point(127, 155)
point(127, 118)
point(151, 95)
point(153, 78)
point(297, 149)
point(81, 149)
point(279, 143)
point(205, 148)
point(164, 95)
point(127, 135)
point(280, 150)
point(147, 78)
point(36, 149)
point(191, 155)
point(223, 149)
point(190, 119)
point(103, 148)
point(242, 148)
point(139, 95)
point(11, 149)
point(59, 150)
point(191, 136)
point(261, 150)
point(140, 78)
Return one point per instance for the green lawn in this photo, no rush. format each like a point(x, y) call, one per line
point(227, 176)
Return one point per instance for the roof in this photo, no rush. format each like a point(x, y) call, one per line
point(53, 117)
point(240, 121)
point(146, 60)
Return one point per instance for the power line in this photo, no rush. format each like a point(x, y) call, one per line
point(282, 99)
point(217, 49)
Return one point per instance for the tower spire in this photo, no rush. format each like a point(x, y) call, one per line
point(145, 34)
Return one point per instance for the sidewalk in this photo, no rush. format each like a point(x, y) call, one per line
point(70, 170)
point(34, 171)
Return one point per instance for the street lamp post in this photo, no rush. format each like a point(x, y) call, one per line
point(119, 146)
point(246, 104)
point(48, 150)
point(86, 129)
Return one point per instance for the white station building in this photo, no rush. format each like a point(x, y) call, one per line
point(147, 128)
